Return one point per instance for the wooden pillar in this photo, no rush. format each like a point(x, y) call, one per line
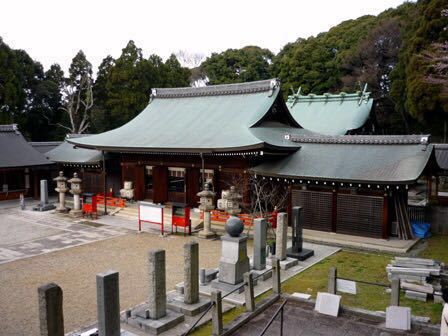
point(192, 176)
point(334, 210)
point(385, 226)
point(139, 182)
point(160, 184)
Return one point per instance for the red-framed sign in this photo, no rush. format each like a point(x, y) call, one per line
point(150, 213)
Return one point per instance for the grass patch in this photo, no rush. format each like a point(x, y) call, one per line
point(358, 266)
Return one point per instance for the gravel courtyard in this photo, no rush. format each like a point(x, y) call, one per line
point(74, 269)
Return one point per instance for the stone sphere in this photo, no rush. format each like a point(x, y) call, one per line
point(234, 226)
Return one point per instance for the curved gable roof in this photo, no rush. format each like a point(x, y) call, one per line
point(206, 119)
point(330, 114)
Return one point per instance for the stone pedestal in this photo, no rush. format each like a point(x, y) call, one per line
point(297, 251)
point(234, 261)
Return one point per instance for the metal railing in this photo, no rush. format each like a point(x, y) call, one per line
point(243, 284)
point(279, 310)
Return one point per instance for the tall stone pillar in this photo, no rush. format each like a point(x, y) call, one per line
point(281, 236)
point(191, 272)
point(44, 205)
point(157, 285)
point(297, 251)
point(51, 315)
point(108, 303)
point(260, 232)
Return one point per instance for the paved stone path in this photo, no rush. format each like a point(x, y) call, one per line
point(300, 320)
point(26, 233)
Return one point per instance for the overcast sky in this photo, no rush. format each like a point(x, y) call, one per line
point(52, 31)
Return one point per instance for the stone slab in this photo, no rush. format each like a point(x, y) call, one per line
point(227, 288)
point(263, 274)
point(398, 318)
point(302, 255)
point(154, 327)
point(328, 304)
point(419, 296)
point(284, 264)
point(175, 302)
point(302, 296)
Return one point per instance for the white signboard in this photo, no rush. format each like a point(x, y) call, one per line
point(328, 304)
point(346, 286)
point(150, 212)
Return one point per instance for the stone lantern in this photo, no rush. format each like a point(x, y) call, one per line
point(232, 205)
point(206, 205)
point(61, 188)
point(75, 190)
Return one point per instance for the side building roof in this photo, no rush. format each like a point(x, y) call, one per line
point(441, 151)
point(44, 146)
point(330, 114)
point(200, 120)
point(15, 151)
point(369, 159)
point(67, 153)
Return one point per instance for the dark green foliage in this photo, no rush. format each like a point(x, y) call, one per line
point(315, 63)
point(123, 85)
point(411, 93)
point(238, 65)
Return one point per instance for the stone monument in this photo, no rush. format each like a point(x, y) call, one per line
point(153, 316)
point(61, 188)
point(259, 261)
point(234, 261)
point(188, 301)
point(281, 242)
point(75, 190)
point(297, 251)
point(44, 205)
point(206, 205)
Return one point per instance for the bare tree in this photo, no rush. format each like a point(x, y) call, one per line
point(78, 101)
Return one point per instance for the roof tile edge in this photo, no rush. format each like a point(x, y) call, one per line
point(217, 90)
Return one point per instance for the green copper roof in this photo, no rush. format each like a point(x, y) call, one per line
point(206, 119)
point(347, 158)
point(69, 153)
point(330, 114)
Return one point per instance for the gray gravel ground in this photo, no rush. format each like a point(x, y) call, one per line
point(74, 269)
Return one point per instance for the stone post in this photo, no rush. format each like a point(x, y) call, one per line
point(216, 313)
point(108, 303)
point(51, 316)
point(296, 250)
point(332, 277)
point(249, 291)
point(191, 272)
point(276, 280)
point(260, 244)
point(281, 236)
point(157, 285)
point(395, 292)
point(43, 193)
